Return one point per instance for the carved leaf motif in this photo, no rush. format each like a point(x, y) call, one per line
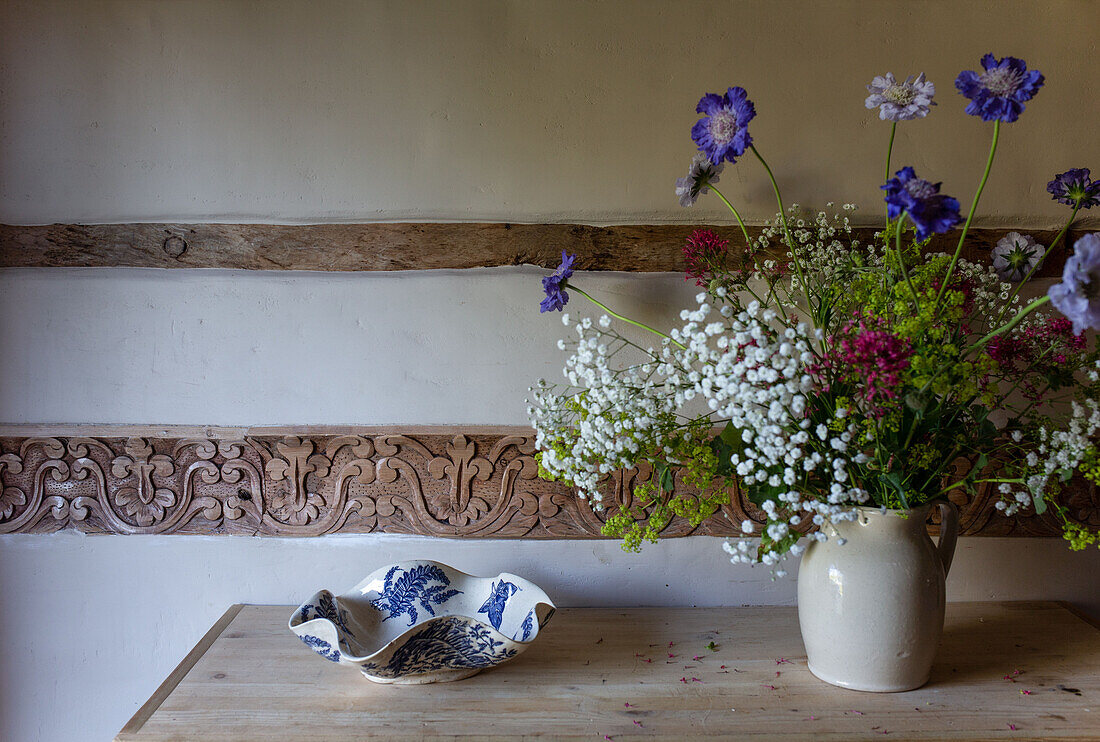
point(296, 505)
point(144, 506)
point(10, 500)
point(461, 467)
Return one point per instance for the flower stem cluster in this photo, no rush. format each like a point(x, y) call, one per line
point(816, 374)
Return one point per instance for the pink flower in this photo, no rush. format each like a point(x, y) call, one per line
point(702, 252)
point(1038, 354)
point(871, 358)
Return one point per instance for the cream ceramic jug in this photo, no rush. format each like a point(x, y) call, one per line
point(871, 608)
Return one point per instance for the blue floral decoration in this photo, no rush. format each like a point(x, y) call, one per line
point(448, 643)
point(327, 608)
point(527, 627)
point(401, 594)
point(321, 647)
point(498, 598)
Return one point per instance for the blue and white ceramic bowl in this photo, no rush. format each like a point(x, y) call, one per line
point(424, 622)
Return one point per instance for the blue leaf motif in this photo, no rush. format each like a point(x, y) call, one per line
point(449, 643)
point(328, 609)
point(321, 647)
point(498, 598)
point(527, 626)
point(400, 596)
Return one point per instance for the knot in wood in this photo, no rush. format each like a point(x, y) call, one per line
point(175, 246)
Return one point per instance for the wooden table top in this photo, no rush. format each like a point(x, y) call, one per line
point(1004, 670)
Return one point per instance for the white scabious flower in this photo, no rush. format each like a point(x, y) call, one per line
point(1016, 255)
point(900, 101)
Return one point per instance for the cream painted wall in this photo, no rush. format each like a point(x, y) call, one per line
point(525, 111)
point(280, 110)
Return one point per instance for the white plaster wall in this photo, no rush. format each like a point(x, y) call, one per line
point(524, 111)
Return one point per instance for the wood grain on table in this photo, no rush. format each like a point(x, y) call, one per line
point(1026, 670)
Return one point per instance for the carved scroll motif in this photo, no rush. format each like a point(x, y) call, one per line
point(456, 485)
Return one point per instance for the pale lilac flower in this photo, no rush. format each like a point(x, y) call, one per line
point(1078, 295)
point(1016, 255)
point(901, 101)
point(702, 173)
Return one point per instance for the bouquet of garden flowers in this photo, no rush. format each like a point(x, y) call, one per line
point(819, 374)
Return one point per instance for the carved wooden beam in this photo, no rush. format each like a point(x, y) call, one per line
point(393, 246)
point(469, 483)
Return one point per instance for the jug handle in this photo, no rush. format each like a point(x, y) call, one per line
point(949, 533)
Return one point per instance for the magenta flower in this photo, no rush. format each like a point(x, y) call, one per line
point(871, 358)
point(878, 357)
point(702, 251)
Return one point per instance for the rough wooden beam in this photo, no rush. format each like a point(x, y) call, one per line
point(389, 246)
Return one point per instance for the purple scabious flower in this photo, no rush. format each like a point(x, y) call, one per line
point(722, 133)
point(1016, 255)
point(930, 211)
point(1075, 188)
point(900, 101)
point(702, 173)
point(999, 91)
point(556, 298)
point(1078, 295)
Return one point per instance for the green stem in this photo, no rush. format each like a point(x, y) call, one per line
point(1015, 321)
point(787, 233)
point(980, 481)
point(970, 216)
point(618, 316)
point(889, 152)
point(748, 240)
point(901, 262)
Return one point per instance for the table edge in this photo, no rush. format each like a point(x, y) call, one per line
point(137, 721)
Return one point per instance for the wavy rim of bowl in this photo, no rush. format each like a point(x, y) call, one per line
point(419, 625)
